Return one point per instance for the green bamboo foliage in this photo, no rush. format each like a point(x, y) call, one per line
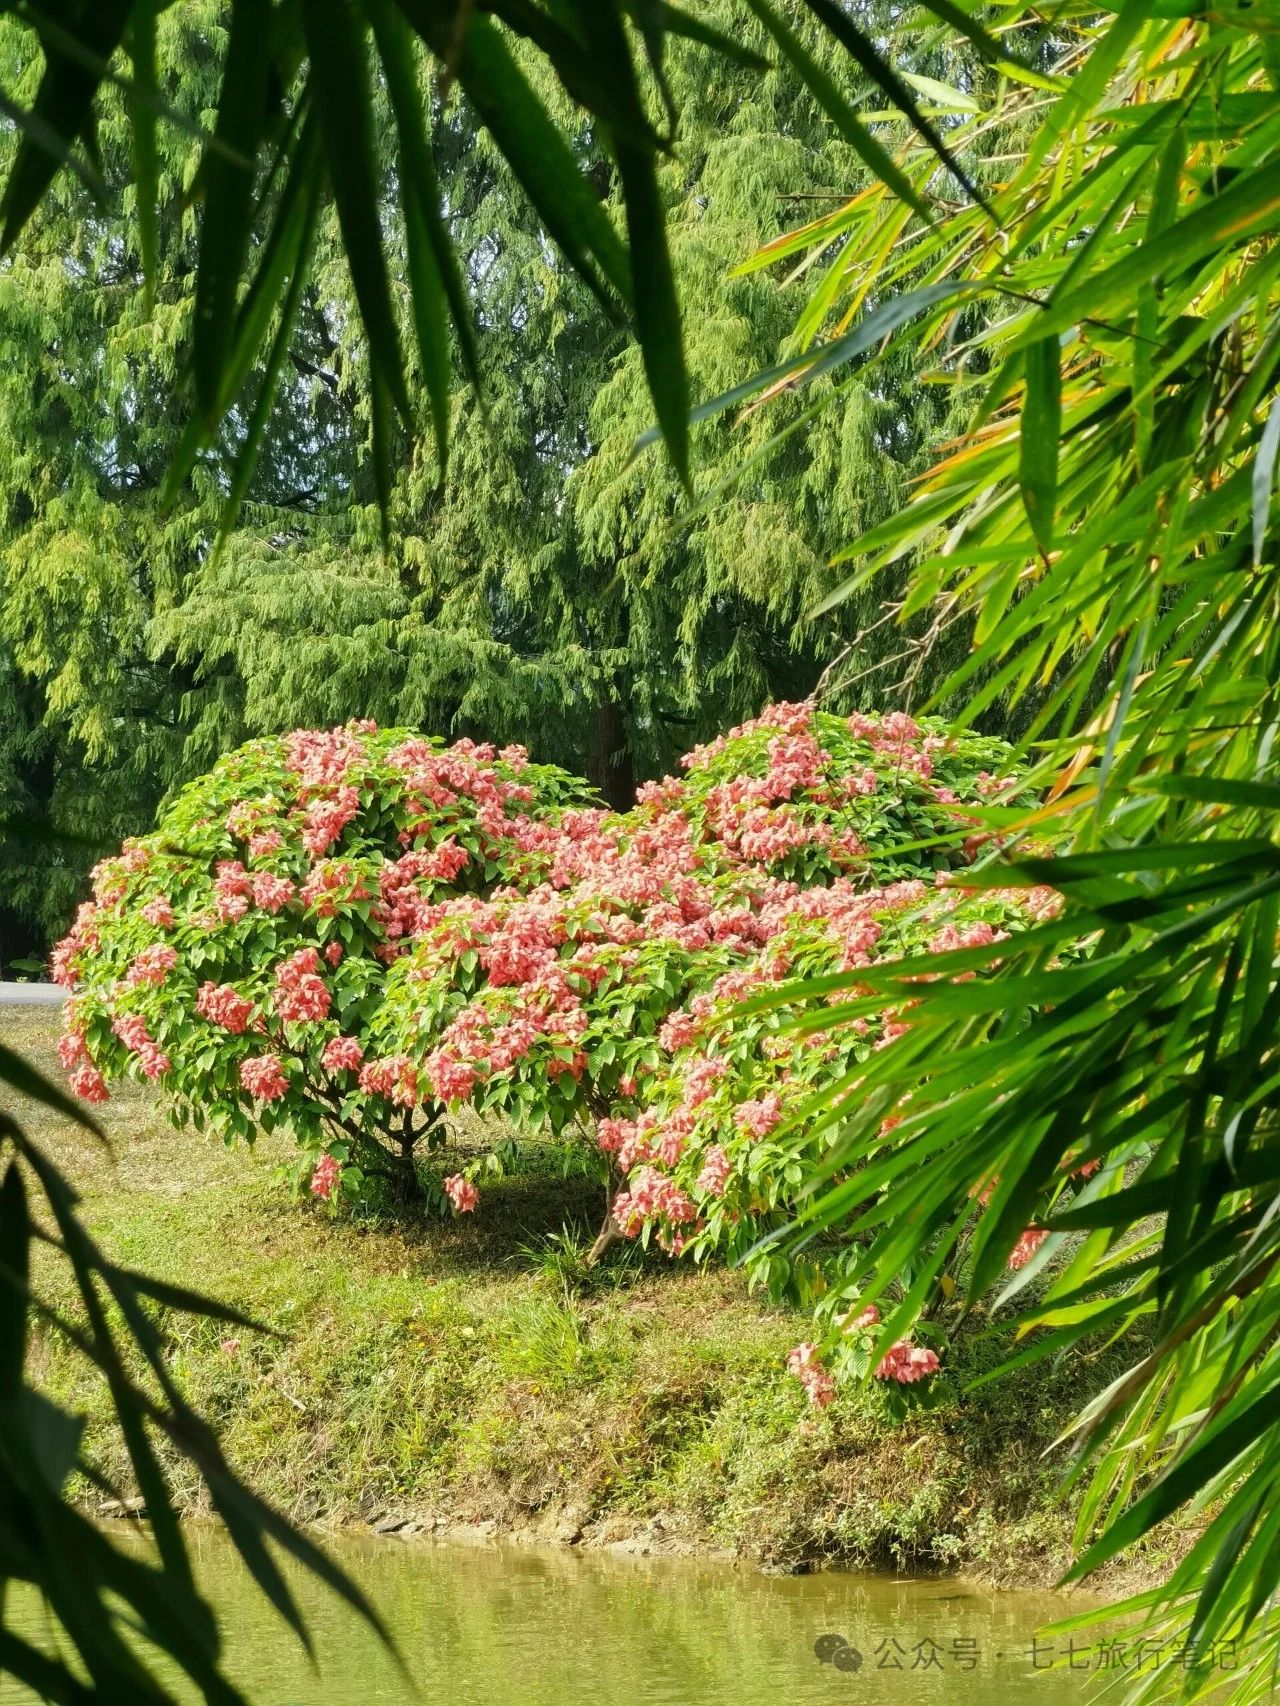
point(125, 1623)
point(1108, 320)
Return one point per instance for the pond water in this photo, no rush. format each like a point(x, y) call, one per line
point(499, 1625)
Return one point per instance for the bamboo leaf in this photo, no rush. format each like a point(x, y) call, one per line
point(142, 118)
point(1263, 475)
point(899, 91)
point(1038, 442)
point(62, 110)
point(872, 153)
point(339, 75)
point(813, 363)
point(228, 180)
point(542, 161)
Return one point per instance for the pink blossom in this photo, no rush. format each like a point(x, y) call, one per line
point(451, 1079)
point(131, 1028)
point(394, 1076)
point(158, 912)
point(154, 1061)
point(805, 1363)
point(324, 1177)
point(758, 1118)
point(325, 819)
point(905, 1362)
point(652, 1195)
point(231, 890)
point(223, 1005)
point(341, 1054)
point(702, 1078)
point(88, 1083)
point(331, 883)
point(152, 965)
point(301, 993)
point(461, 1193)
point(264, 843)
point(264, 1077)
point(676, 1032)
point(72, 1049)
point(271, 892)
point(1028, 1243)
point(716, 1171)
point(322, 757)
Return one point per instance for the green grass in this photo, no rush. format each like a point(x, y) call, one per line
point(471, 1370)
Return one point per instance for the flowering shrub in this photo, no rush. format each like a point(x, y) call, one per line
point(347, 933)
point(239, 954)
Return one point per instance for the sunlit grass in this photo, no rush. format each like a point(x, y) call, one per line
point(477, 1369)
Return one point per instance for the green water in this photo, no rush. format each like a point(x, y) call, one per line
point(504, 1626)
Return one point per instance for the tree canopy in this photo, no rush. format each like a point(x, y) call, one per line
point(551, 591)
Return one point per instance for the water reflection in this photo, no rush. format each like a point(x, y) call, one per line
point(504, 1626)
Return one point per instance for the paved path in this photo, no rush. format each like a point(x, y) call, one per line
point(31, 995)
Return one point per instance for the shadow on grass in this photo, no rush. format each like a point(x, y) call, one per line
point(527, 1219)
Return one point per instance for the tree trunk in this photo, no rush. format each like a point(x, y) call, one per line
point(610, 769)
point(608, 1234)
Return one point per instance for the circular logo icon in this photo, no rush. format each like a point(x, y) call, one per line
point(835, 1650)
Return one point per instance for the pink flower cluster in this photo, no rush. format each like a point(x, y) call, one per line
point(131, 1028)
point(325, 819)
point(758, 1118)
point(806, 1364)
point(88, 1083)
point(271, 892)
point(222, 1005)
point(905, 1362)
point(342, 1054)
point(461, 1192)
point(324, 1177)
point(82, 1075)
point(152, 965)
point(322, 757)
point(395, 1077)
point(264, 1077)
point(232, 889)
point(402, 908)
point(301, 993)
point(1028, 1244)
point(331, 885)
point(653, 1196)
point(716, 1172)
point(264, 843)
point(860, 1322)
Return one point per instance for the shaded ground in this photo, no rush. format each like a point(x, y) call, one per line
point(446, 1371)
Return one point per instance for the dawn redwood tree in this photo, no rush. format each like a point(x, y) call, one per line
point(96, 716)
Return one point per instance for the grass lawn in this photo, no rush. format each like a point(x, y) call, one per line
point(455, 1370)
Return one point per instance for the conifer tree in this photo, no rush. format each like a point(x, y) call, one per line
point(550, 590)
